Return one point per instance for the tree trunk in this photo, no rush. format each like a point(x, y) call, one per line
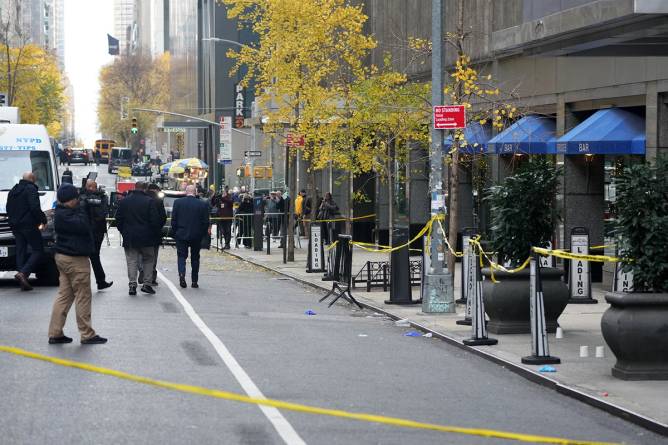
point(453, 210)
point(291, 210)
point(351, 192)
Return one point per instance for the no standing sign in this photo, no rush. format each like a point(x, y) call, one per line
point(449, 117)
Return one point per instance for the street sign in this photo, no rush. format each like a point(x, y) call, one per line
point(449, 117)
point(226, 129)
point(294, 140)
point(225, 153)
point(579, 278)
point(172, 129)
point(252, 153)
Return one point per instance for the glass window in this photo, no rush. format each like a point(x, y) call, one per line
point(15, 163)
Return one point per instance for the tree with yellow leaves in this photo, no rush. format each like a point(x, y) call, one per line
point(485, 102)
point(144, 81)
point(306, 58)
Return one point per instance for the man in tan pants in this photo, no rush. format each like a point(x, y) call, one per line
point(74, 245)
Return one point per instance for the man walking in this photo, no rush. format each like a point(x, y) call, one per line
point(26, 219)
point(138, 221)
point(155, 193)
point(74, 245)
point(94, 202)
point(190, 223)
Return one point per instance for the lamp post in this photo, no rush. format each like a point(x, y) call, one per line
point(437, 291)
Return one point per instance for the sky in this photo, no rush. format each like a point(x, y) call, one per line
point(87, 23)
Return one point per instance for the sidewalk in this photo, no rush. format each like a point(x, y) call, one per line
point(587, 379)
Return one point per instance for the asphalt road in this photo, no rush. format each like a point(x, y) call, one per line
point(254, 335)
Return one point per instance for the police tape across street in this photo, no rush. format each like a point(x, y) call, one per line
point(291, 406)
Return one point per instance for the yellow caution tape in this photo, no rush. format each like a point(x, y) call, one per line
point(577, 256)
point(425, 229)
point(447, 243)
point(341, 219)
point(215, 393)
point(494, 265)
point(331, 246)
point(382, 246)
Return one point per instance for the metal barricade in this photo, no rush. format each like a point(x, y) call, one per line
point(274, 221)
point(243, 229)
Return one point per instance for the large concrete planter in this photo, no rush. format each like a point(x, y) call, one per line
point(507, 302)
point(635, 327)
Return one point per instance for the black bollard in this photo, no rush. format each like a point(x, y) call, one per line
point(400, 279)
point(540, 351)
point(258, 220)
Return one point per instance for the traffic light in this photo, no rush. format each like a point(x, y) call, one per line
point(134, 130)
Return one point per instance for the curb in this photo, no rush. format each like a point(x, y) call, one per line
point(615, 410)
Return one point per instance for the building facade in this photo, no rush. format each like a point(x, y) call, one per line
point(566, 60)
point(125, 25)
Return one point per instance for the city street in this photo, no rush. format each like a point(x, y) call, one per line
point(256, 337)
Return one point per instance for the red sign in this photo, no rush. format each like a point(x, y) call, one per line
point(295, 141)
point(449, 117)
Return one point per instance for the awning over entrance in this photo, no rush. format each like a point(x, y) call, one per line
point(529, 135)
point(476, 137)
point(612, 131)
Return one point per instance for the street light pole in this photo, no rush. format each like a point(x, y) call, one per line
point(438, 294)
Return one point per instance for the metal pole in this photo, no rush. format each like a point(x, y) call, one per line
point(252, 160)
point(438, 293)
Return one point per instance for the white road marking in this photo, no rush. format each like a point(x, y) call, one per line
point(280, 423)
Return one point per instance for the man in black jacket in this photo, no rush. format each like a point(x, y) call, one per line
point(74, 245)
point(26, 218)
point(155, 193)
point(95, 202)
point(138, 221)
point(190, 223)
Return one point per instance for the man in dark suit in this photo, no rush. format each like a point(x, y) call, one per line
point(139, 222)
point(190, 223)
point(26, 219)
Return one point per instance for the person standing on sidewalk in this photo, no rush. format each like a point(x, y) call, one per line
point(155, 193)
point(74, 245)
point(95, 202)
point(138, 221)
point(25, 219)
point(190, 223)
point(224, 206)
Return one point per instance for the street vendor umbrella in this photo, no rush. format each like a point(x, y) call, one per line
point(191, 163)
point(171, 168)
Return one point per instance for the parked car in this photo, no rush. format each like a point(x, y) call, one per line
point(168, 198)
point(79, 155)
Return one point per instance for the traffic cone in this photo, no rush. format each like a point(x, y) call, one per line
point(540, 352)
point(478, 327)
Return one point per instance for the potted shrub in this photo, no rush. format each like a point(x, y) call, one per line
point(523, 215)
point(635, 326)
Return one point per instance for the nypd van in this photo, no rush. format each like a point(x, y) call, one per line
point(25, 147)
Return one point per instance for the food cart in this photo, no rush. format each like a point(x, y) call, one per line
point(182, 172)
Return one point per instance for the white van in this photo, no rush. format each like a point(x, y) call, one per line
point(28, 148)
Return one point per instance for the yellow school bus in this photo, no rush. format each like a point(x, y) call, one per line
point(104, 146)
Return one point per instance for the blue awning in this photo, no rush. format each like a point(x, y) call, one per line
point(476, 137)
point(610, 131)
point(529, 135)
